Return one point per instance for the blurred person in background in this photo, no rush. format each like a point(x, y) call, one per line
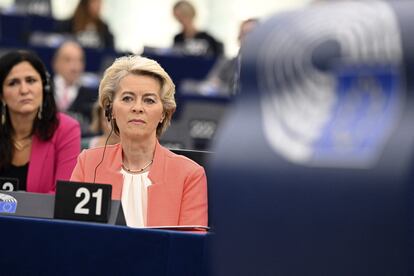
point(222, 78)
point(245, 28)
point(38, 145)
point(87, 26)
point(156, 186)
point(71, 96)
point(191, 41)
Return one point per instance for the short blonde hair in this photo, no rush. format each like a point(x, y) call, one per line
point(138, 65)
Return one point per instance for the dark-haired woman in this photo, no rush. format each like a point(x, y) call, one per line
point(87, 26)
point(38, 145)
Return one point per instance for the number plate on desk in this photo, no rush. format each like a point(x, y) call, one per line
point(9, 184)
point(82, 201)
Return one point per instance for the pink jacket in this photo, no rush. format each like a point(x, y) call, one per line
point(54, 159)
point(177, 196)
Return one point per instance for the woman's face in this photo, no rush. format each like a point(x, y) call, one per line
point(94, 7)
point(137, 106)
point(182, 16)
point(23, 90)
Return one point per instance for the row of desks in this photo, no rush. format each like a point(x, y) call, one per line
point(54, 247)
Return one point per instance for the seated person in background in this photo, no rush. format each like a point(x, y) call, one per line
point(246, 27)
point(87, 26)
point(190, 41)
point(38, 145)
point(102, 128)
point(156, 186)
point(221, 79)
point(71, 96)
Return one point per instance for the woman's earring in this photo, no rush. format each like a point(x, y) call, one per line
point(3, 114)
point(39, 113)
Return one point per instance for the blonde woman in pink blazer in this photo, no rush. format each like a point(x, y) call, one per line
point(38, 145)
point(156, 186)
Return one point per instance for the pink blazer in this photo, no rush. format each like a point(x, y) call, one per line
point(177, 196)
point(54, 159)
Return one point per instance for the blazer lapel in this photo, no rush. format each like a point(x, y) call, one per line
point(156, 192)
point(113, 173)
point(37, 167)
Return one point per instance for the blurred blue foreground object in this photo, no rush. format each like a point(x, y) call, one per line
point(313, 168)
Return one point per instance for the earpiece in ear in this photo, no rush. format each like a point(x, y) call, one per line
point(108, 112)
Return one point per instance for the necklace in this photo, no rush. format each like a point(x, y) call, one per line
point(136, 171)
point(18, 145)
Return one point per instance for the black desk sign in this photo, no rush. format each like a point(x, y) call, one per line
point(9, 184)
point(82, 201)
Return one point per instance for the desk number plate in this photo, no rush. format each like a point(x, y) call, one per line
point(82, 201)
point(9, 184)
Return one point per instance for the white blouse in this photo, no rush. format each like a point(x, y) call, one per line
point(134, 198)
